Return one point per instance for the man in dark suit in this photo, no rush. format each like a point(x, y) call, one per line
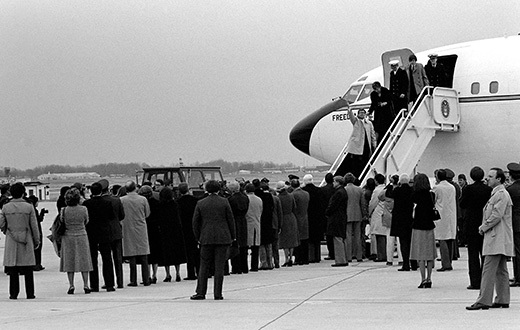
point(214, 228)
point(116, 234)
point(514, 192)
point(398, 86)
point(436, 73)
point(382, 108)
point(187, 203)
point(326, 192)
point(100, 214)
point(316, 214)
point(301, 198)
point(239, 205)
point(473, 199)
point(337, 221)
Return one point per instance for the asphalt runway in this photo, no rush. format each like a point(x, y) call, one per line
point(364, 295)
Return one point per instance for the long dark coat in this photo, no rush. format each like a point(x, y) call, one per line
point(337, 213)
point(154, 236)
point(266, 220)
point(473, 199)
point(326, 193)
point(172, 251)
point(289, 235)
point(316, 212)
point(301, 197)
point(239, 204)
point(398, 86)
point(402, 213)
point(383, 114)
point(186, 206)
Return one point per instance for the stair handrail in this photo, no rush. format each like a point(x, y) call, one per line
point(400, 128)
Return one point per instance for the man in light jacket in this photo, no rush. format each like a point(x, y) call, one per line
point(497, 228)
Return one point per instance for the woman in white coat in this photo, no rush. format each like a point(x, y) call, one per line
point(446, 227)
point(375, 210)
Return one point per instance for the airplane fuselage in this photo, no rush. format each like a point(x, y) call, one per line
point(486, 76)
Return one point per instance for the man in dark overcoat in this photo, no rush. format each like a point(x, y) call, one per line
point(473, 199)
point(187, 203)
point(398, 86)
point(239, 204)
point(116, 233)
point(326, 193)
point(100, 214)
point(301, 198)
point(382, 108)
point(436, 72)
point(514, 192)
point(316, 213)
point(214, 229)
point(337, 221)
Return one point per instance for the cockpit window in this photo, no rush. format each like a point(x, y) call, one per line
point(352, 94)
point(367, 89)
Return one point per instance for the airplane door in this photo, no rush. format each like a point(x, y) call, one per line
point(399, 54)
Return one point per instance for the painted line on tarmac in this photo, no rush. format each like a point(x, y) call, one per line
point(315, 294)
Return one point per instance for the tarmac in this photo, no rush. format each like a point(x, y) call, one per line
point(364, 295)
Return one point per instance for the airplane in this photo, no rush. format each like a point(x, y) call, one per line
point(476, 122)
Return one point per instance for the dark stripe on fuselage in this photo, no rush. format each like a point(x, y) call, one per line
point(489, 98)
point(300, 135)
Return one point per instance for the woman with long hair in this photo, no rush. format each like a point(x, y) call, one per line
point(423, 247)
point(75, 252)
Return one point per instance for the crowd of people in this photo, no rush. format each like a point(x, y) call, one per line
point(245, 224)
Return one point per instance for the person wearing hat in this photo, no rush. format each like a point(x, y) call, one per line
point(472, 200)
point(116, 234)
point(398, 86)
point(417, 77)
point(436, 73)
point(382, 108)
point(514, 192)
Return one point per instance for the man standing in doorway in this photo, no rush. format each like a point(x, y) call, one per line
point(398, 86)
point(360, 146)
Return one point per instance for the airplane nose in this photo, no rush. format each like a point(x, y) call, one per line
point(300, 135)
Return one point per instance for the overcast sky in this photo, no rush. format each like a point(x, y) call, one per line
point(87, 82)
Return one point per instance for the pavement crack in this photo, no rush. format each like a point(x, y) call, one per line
point(314, 295)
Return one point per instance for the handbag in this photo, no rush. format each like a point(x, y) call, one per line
point(60, 220)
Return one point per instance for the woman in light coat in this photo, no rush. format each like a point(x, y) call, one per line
point(375, 210)
point(253, 215)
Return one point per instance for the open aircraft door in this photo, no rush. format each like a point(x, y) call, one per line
point(399, 54)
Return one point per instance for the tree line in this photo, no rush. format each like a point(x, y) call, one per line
point(128, 169)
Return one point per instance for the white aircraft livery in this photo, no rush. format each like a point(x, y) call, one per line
point(473, 122)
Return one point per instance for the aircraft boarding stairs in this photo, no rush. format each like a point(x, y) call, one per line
point(436, 109)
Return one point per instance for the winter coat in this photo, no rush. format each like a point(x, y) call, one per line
point(18, 222)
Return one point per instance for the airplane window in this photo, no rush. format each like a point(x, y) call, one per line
point(493, 87)
point(367, 89)
point(475, 88)
point(352, 93)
